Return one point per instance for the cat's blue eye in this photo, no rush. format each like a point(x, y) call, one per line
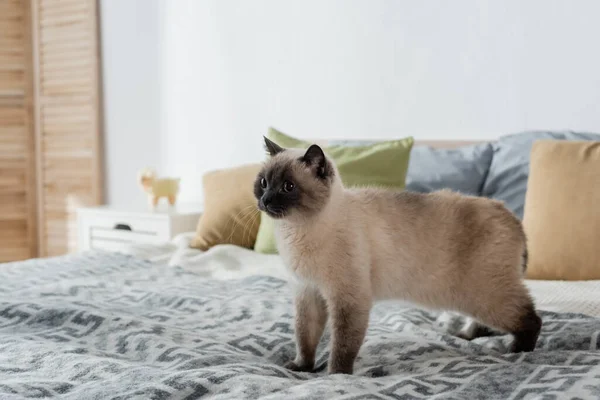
point(263, 183)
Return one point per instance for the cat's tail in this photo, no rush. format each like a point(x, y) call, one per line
point(525, 255)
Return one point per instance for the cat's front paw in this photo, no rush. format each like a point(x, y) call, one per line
point(299, 366)
point(347, 370)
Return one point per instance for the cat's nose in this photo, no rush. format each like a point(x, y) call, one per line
point(266, 200)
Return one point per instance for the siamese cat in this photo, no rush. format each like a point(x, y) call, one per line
point(350, 247)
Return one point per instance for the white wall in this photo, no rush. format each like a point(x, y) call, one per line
point(131, 34)
point(464, 69)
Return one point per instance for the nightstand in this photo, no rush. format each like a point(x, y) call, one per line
point(112, 228)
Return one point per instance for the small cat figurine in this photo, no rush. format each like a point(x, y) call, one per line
point(351, 247)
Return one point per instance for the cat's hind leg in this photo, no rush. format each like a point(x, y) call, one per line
point(472, 329)
point(464, 327)
point(513, 314)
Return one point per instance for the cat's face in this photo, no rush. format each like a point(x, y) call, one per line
point(293, 182)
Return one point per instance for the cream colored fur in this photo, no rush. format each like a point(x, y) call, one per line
point(441, 250)
point(394, 249)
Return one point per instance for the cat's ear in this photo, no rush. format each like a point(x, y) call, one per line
point(272, 147)
point(315, 157)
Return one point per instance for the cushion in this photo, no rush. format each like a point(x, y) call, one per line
point(562, 213)
point(230, 215)
point(507, 177)
point(462, 169)
point(381, 164)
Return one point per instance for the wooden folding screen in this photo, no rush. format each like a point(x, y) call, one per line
point(17, 157)
point(49, 123)
point(67, 115)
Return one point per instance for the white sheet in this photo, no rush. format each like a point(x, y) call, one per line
point(231, 262)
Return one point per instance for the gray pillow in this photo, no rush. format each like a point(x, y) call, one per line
point(507, 178)
point(463, 169)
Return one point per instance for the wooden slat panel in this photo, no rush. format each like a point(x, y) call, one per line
point(68, 132)
point(11, 44)
point(54, 36)
point(65, 144)
point(63, 110)
point(14, 253)
point(14, 208)
point(11, 179)
point(13, 28)
point(12, 116)
point(51, 4)
point(67, 63)
point(16, 163)
point(62, 48)
point(66, 20)
point(10, 61)
point(70, 73)
point(12, 83)
point(12, 147)
point(78, 7)
point(65, 87)
point(17, 178)
point(48, 56)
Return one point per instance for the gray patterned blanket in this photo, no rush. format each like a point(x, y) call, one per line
point(109, 326)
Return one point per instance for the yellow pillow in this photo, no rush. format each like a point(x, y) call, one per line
point(230, 215)
point(562, 210)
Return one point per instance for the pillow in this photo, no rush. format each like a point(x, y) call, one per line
point(507, 177)
point(462, 169)
point(562, 213)
point(230, 215)
point(381, 164)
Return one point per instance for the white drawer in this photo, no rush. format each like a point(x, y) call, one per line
point(132, 224)
point(112, 229)
point(123, 235)
point(107, 232)
point(116, 239)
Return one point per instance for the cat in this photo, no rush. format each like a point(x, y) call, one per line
point(350, 247)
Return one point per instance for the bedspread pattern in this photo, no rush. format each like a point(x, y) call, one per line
point(101, 325)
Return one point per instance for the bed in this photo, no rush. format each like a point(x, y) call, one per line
point(170, 322)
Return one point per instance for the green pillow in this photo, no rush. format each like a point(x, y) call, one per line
point(382, 164)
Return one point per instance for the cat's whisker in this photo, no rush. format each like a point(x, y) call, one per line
point(250, 220)
point(249, 213)
point(234, 222)
point(243, 222)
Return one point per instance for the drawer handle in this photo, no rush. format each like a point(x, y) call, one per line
point(123, 227)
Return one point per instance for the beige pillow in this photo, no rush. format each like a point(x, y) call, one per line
point(562, 210)
point(230, 215)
